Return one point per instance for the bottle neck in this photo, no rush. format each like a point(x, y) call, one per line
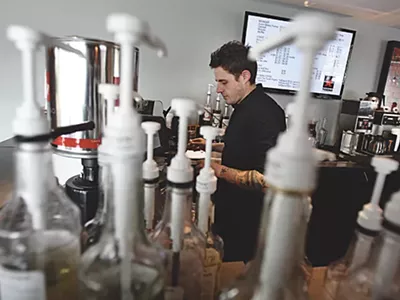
point(90, 170)
point(218, 105)
point(33, 175)
point(124, 199)
point(208, 100)
point(186, 205)
point(283, 234)
point(226, 112)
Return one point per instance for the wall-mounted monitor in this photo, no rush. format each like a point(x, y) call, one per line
point(279, 70)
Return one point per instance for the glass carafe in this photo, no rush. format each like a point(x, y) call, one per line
point(103, 263)
point(185, 268)
point(39, 242)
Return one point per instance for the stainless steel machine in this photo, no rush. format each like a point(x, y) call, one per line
point(73, 98)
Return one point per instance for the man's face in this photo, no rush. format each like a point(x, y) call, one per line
point(231, 89)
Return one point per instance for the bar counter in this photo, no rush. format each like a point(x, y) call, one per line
point(344, 186)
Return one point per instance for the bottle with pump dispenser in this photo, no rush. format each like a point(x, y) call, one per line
point(217, 113)
point(124, 264)
point(150, 175)
point(206, 118)
point(176, 231)
point(39, 226)
point(378, 278)
point(206, 185)
point(291, 177)
point(368, 228)
point(226, 117)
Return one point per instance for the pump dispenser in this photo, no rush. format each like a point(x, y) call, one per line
point(176, 231)
point(290, 175)
point(379, 276)
point(124, 265)
point(150, 175)
point(39, 226)
point(368, 228)
point(206, 118)
point(206, 185)
point(217, 112)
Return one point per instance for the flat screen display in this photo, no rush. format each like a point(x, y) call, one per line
point(279, 70)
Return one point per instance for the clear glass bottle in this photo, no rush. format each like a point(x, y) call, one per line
point(354, 258)
point(39, 242)
point(379, 277)
point(185, 267)
point(226, 117)
point(213, 260)
point(246, 287)
point(103, 263)
point(217, 113)
point(206, 118)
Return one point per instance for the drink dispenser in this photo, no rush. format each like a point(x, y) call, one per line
point(73, 97)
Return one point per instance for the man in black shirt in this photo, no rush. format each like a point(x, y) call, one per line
point(253, 129)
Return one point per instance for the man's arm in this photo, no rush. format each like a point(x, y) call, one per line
point(251, 179)
point(218, 147)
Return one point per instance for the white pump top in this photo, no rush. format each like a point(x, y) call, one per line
point(291, 165)
point(123, 132)
point(210, 86)
point(371, 216)
point(30, 119)
point(180, 169)
point(206, 180)
point(150, 168)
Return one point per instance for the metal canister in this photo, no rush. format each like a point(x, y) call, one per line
point(72, 93)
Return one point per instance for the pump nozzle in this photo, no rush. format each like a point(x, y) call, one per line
point(210, 86)
point(206, 183)
point(30, 119)
point(371, 215)
point(150, 168)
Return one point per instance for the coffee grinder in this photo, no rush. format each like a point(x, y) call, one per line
point(72, 97)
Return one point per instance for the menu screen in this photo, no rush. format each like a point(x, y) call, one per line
point(279, 69)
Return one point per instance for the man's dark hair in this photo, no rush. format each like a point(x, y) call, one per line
point(232, 57)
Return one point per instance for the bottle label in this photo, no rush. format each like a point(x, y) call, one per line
point(210, 284)
point(225, 123)
point(207, 115)
point(216, 120)
point(22, 285)
point(173, 293)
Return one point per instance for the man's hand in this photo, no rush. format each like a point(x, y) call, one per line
point(200, 144)
point(197, 144)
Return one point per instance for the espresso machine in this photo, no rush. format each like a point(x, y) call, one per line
point(356, 119)
point(73, 98)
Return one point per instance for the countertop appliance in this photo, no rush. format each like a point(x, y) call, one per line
point(72, 97)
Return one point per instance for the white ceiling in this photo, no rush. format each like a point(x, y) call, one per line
point(384, 12)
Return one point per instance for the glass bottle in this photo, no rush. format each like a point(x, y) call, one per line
point(248, 283)
point(217, 113)
point(185, 267)
point(213, 260)
point(226, 117)
point(39, 242)
point(356, 255)
point(206, 118)
point(103, 263)
point(379, 277)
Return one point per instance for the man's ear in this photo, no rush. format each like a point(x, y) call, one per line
point(246, 75)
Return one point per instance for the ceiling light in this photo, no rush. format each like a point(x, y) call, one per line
point(306, 3)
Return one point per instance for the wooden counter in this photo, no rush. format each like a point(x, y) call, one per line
point(230, 271)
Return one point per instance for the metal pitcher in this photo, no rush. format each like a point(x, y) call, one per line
point(72, 95)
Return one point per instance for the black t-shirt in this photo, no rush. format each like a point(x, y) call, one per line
point(253, 129)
